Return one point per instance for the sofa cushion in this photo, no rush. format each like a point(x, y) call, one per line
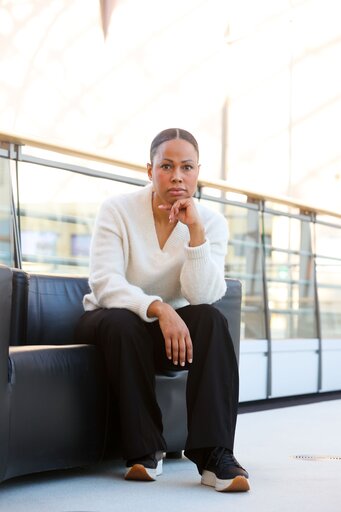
point(54, 308)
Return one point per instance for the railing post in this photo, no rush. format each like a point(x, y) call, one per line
point(15, 154)
point(266, 303)
point(317, 310)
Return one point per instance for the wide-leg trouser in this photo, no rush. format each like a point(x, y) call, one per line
point(134, 350)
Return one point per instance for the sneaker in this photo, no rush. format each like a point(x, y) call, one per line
point(224, 473)
point(145, 468)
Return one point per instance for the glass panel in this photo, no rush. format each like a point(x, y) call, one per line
point(291, 315)
point(6, 241)
point(290, 275)
point(328, 273)
point(244, 262)
point(58, 209)
point(327, 240)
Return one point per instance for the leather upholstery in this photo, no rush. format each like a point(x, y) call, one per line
point(58, 408)
point(5, 320)
point(53, 396)
point(45, 308)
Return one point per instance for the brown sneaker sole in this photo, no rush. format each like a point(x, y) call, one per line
point(139, 472)
point(238, 484)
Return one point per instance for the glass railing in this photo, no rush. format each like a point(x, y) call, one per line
point(6, 232)
point(286, 255)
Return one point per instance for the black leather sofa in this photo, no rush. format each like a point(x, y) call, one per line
point(54, 407)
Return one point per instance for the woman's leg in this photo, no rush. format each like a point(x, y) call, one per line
point(129, 357)
point(212, 385)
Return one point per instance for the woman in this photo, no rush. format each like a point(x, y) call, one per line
point(156, 265)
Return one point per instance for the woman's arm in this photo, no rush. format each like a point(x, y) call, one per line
point(202, 275)
point(203, 272)
point(108, 254)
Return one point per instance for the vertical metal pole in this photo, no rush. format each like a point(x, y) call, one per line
point(266, 305)
point(306, 276)
point(6, 231)
point(317, 310)
point(16, 211)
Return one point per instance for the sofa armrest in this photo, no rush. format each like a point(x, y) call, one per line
point(20, 283)
point(5, 322)
point(58, 408)
point(230, 307)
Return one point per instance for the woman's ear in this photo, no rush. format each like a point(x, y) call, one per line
point(149, 170)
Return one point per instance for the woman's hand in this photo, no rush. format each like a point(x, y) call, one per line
point(184, 210)
point(178, 343)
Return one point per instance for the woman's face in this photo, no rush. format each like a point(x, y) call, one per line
point(174, 171)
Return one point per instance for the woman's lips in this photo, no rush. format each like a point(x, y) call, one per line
point(176, 191)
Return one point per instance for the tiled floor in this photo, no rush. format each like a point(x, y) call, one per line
point(267, 443)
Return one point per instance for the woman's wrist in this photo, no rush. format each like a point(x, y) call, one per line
point(156, 309)
point(197, 235)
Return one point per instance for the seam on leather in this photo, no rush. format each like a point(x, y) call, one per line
point(9, 371)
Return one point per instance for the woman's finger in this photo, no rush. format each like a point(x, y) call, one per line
point(182, 351)
point(189, 348)
point(168, 347)
point(175, 350)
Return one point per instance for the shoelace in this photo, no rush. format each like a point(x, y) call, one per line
point(225, 458)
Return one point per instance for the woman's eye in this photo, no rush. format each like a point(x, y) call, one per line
point(165, 166)
point(188, 167)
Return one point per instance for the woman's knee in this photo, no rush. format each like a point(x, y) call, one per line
point(108, 325)
point(120, 335)
point(206, 313)
point(119, 320)
point(208, 327)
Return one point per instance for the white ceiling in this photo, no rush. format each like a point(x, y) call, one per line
point(166, 64)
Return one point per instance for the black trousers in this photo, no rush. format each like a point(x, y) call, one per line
point(134, 350)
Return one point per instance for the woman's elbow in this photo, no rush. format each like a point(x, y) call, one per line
point(206, 294)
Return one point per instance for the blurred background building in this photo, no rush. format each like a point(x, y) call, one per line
point(257, 82)
point(86, 84)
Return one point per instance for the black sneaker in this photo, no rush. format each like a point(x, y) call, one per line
point(145, 468)
point(224, 473)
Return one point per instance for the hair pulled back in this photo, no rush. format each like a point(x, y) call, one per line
point(171, 134)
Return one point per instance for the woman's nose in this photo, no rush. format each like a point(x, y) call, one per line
point(176, 176)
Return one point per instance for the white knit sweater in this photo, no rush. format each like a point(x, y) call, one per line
point(129, 270)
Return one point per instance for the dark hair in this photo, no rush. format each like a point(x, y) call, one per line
point(171, 134)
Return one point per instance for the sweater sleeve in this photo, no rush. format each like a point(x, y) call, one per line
point(107, 279)
point(203, 272)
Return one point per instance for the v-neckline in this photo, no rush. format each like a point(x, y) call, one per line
point(157, 235)
point(154, 229)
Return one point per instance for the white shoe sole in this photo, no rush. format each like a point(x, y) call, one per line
point(141, 473)
point(236, 484)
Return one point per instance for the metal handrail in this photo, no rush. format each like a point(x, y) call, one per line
point(219, 184)
point(258, 278)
